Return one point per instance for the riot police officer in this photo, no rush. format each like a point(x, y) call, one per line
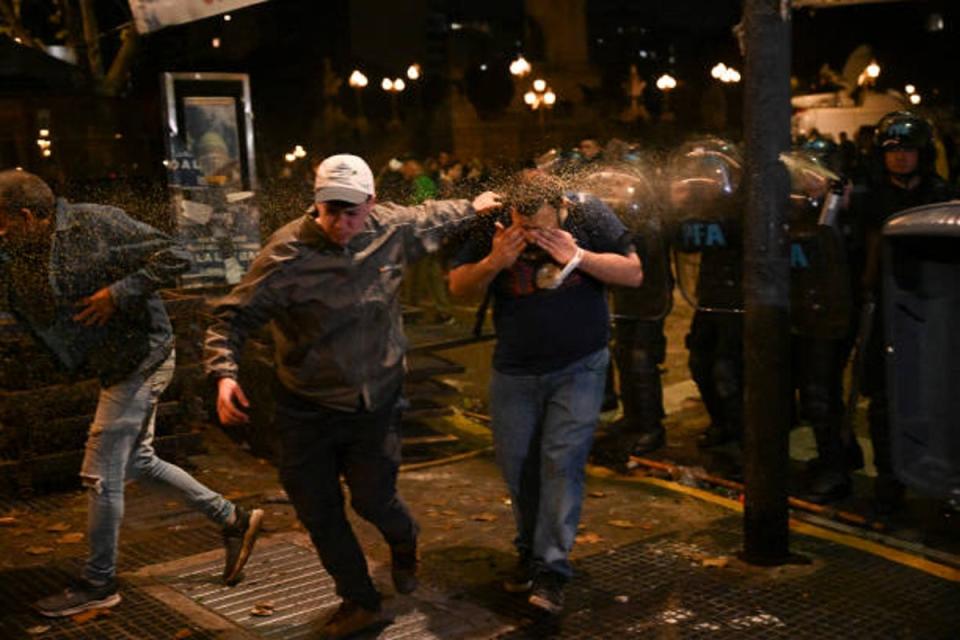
point(820, 318)
point(704, 180)
point(640, 345)
point(905, 178)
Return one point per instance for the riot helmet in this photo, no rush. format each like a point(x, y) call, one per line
point(906, 130)
point(703, 174)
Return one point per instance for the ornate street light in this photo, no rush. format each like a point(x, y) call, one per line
point(358, 82)
point(414, 71)
point(393, 87)
point(725, 74)
point(520, 67)
point(666, 83)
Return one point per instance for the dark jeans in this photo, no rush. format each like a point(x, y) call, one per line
point(319, 445)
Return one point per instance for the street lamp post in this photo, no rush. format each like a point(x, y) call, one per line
point(666, 83)
point(539, 98)
point(393, 87)
point(358, 81)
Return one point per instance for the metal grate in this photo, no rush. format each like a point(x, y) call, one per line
point(137, 616)
point(656, 588)
point(290, 579)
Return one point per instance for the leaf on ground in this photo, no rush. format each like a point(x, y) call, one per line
point(484, 517)
point(70, 538)
point(171, 504)
point(597, 494)
point(59, 527)
point(8, 521)
point(183, 633)
point(588, 538)
point(621, 599)
point(719, 562)
point(622, 524)
point(91, 614)
point(38, 551)
point(262, 609)
point(37, 630)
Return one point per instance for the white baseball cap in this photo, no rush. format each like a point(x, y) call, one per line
point(343, 177)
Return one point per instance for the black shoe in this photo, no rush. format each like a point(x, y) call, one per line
point(404, 568)
point(238, 540)
point(827, 486)
point(610, 403)
point(649, 441)
point(888, 492)
point(351, 618)
point(80, 596)
point(547, 593)
point(520, 579)
point(714, 436)
point(854, 456)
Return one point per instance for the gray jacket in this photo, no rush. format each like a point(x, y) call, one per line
point(334, 311)
point(95, 246)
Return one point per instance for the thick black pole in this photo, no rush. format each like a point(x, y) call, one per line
point(766, 281)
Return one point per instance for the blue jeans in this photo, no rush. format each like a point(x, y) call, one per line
point(542, 433)
point(120, 448)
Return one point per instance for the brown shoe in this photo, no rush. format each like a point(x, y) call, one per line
point(238, 541)
point(351, 618)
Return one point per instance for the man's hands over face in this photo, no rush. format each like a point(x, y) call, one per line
point(508, 244)
point(558, 243)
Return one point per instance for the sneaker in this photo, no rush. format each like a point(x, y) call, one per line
point(404, 568)
point(78, 597)
point(350, 618)
point(520, 579)
point(238, 540)
point(547, 593)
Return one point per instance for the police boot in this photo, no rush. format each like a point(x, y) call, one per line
point(829, 480)
point(728, 425)
point(642, 404)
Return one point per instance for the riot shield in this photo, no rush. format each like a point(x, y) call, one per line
point(703, 180)
point(821, 301)
point(626, 190)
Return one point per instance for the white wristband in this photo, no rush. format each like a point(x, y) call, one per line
point(570, 266)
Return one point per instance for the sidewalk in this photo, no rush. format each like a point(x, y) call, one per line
point(654, 559)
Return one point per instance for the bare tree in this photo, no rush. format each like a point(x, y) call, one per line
point(78, 29)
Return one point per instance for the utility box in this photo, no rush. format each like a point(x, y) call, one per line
point(921, 314)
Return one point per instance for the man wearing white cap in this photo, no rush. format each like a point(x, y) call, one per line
point(328, 284)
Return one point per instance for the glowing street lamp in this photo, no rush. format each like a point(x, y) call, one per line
point(393, 87)
point(357, 79)
point(413, 71)
point(910, 89)
point(914, 98)
point(539, 98)
point(358, 82)
point(725, 74)
point(520, 67)
point(869, 75)
point(666, 83)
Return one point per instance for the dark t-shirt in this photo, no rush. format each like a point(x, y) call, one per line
point(541, 330)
